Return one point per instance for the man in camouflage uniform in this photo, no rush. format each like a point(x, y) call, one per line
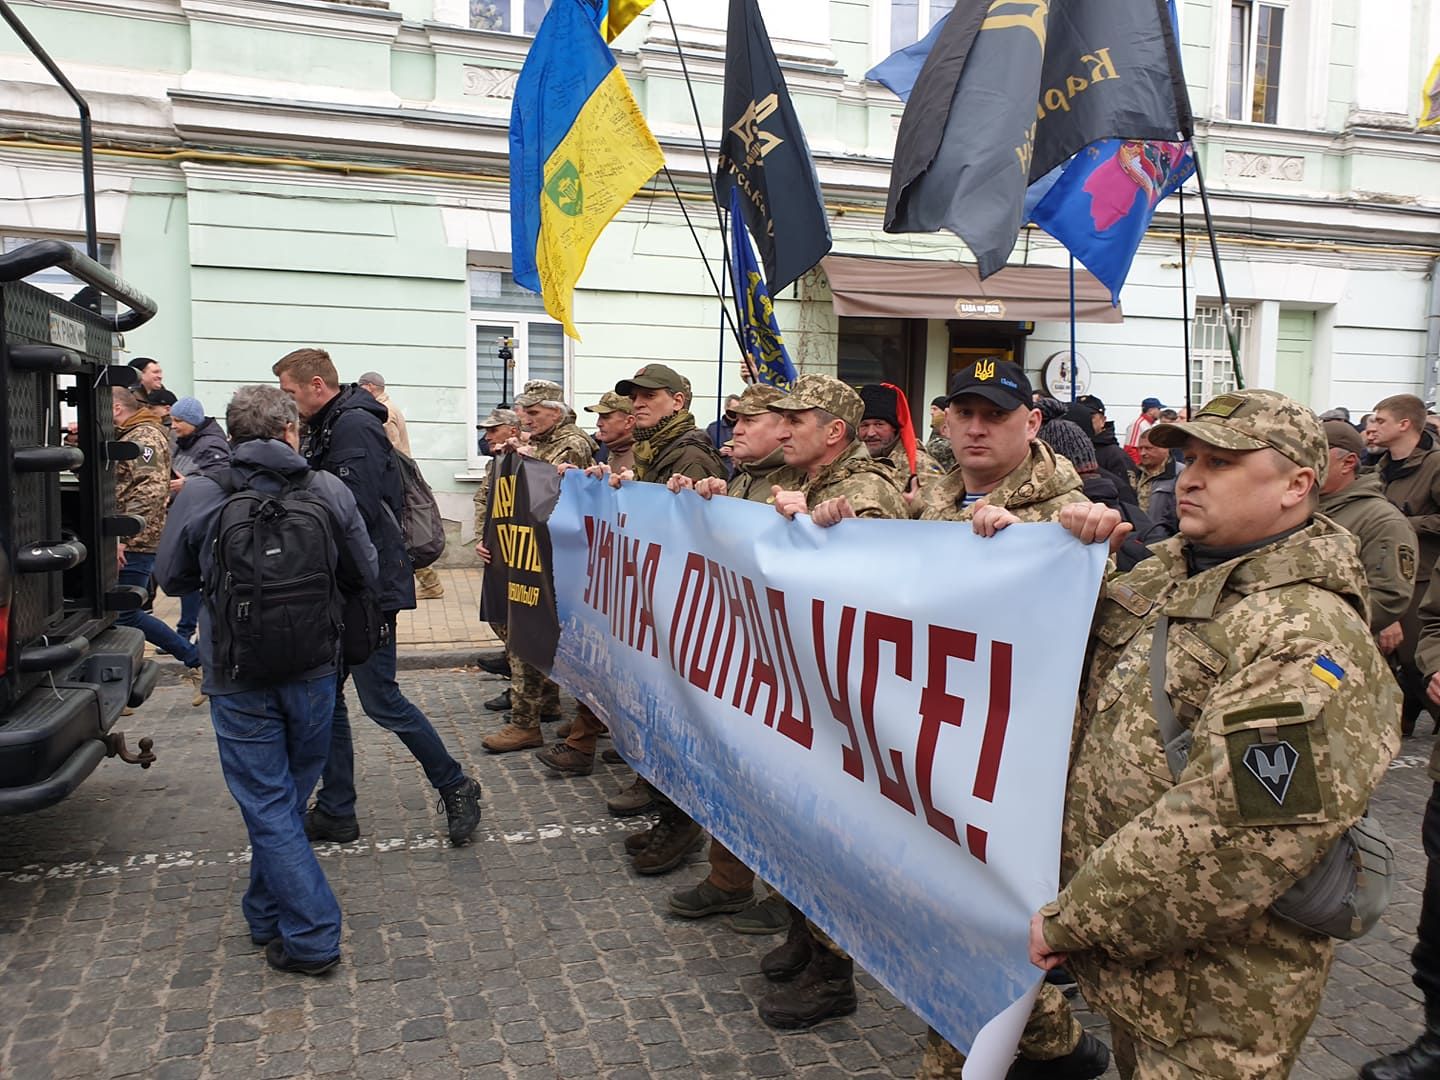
point(939, 442)
point(553, 437)
point(1356, 502)
point(886, 413)
point(1164, 912)
point(820, 419)
point(502, 431)
point(142, 487)
point(667, 443)
point(614, 431)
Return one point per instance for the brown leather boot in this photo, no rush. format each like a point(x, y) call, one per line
point(510, 738)
point(824, 989)
point(783, 963)
point(673, 837)
point(633, 799)
point(566, 760)
point(637, 842)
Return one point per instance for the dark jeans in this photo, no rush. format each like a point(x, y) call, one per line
point(383, 702)
point(189, 615)
point(272, 747)
point(1426, 956)
point(136, 571)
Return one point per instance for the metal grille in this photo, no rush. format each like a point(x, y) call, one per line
point(1212, 371)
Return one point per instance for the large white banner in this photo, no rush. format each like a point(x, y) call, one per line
point(876, 717)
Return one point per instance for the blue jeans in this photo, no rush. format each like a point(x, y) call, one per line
point(383, 702)
point(272, 747)
point(189, 615)
point(136, 571)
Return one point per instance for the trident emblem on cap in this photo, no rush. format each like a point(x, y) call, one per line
point(984, 369)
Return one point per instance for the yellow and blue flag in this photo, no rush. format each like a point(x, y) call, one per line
point(579, 150)
point(764, 344)
point(1430, 99)
point(1327, 671)
point(616, 15)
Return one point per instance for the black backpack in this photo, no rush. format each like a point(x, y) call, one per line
point(275, 605)
point(421, 525)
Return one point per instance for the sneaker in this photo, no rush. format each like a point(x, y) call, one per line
point(769, 916)
point(495, 663)
point(461, 804)
point(320, 827)
point(635, 799)
point(500, 702)
point(706, 899)
point(280, 960)
point(566, 760)
point(192, 677)
point(674, 837)
point(511, 737)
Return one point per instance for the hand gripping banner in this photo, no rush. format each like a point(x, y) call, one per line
point(876, 717)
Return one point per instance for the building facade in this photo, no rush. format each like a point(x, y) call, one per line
point(279, 173)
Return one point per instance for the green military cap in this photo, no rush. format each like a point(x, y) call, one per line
point(1253, 420)
point(822, 392)
point(610, 402)
point(654, 377)
point(756, 400)
point(499, 418)
point(538, 390)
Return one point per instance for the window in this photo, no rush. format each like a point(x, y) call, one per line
point(508, 16)
point(56, 281)
point(1257, 33)
point(502, 310)
point(910, 20)
point(1212, 370)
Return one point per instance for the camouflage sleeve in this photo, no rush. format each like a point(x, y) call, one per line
point(576, 451)
point(1388, 551)
point(142, 486)
point(873, 496)
point(1283, 763)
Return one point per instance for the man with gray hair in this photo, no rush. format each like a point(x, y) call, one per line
point(273, 736)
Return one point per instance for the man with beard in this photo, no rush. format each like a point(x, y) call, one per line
point(886, 414)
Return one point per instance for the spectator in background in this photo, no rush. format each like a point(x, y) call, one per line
point(1155, 485)
point(1373, 449)
point(151, 376)
point(1150, 410)
point(721, 432)
point(429, 585)
point(939, 443)
point(201, 449)
point(1084, 414)
point(1099, 485)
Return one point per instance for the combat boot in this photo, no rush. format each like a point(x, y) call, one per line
point(637, 842)
point(496, 663)
point(673, 837)
point(824, 989)
point(1089, 1059)
point(500, 702)
point(1418, 1061)
point(431, 587)
point(633, 799)
point(566, 760)
point(707, 899)
point(511, 737)
point(783, 963)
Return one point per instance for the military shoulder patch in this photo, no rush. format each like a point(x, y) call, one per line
point(1273, 764)
point(1224, 405)
point(1272, 770)
point(147, 454)
point(1407, 562)
point(1327, 671)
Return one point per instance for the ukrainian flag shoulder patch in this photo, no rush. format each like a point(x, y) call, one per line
point(1327, 671)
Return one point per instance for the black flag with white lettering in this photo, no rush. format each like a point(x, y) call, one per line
point(1015, 87)
point(763, 152)
point(518, 588)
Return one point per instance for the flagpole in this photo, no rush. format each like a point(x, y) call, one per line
point(1074, 367)
point(700, 245)
point(1185, 306)
point(1225, 312)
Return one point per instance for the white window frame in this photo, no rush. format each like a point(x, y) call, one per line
point(1299, 56)
point(1208, 361)
point(880, 27)
point(517, 16)
point(520, 373)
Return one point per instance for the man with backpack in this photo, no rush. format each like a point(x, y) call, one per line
point(345, 435)
point(270, 639)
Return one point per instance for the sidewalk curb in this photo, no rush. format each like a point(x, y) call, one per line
point(426, 660)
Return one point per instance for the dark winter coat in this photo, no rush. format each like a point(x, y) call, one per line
point(202, 452)
point(1100, 487)
point(347, 437)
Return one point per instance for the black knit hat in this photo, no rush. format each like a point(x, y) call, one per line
point(1069, 440)
point(880, 404)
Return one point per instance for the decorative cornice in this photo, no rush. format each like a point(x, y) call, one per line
point(313, 17)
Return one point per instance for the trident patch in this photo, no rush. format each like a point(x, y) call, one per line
point(1273, 764)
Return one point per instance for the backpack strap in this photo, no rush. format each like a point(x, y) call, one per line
point(1173, 736)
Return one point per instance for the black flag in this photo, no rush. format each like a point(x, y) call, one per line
point(763, 152)
point(518, 588)
point(1012, 89)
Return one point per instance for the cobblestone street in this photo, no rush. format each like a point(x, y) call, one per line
point(535, 952)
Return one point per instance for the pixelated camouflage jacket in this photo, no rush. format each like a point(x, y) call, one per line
point(1387, 545)
point(870, 486)
point(1034, 491)
point(926, 467)
point(564, 444)
point(1167, 885)
point(142, 486)
point(754, 481)
point(482, 498)
point(940, 449)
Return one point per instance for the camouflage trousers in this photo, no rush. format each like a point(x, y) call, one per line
point(1051, 1032)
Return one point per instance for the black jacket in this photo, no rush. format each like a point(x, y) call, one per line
point(1100, 487)
point(347, 437)
point(203, 451)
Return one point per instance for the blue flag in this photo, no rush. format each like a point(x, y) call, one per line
point(764, 344)
point(900, 69)
point(1102, 204)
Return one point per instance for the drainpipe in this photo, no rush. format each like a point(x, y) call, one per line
point(1432, 336)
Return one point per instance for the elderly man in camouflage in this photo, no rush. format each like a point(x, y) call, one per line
point(1164, 915)
point(819, 436)
point(553, 437)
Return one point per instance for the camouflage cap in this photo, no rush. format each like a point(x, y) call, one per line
point(756, 400)
point(499, 418)
point(822, 392)
point(1253, 420)
point(538, 390)
point(654, 377)
point(611, 402)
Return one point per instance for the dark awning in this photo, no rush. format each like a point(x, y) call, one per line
point(866, 285)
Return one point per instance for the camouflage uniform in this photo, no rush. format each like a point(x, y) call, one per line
point(1167, 886)
point(926, 467)
point(940, 449)
point(142, 485)
point(618, 458)
point(753, 480)
point(1387, 545)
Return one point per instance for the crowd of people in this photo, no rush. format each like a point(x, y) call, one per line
point(1268, 593)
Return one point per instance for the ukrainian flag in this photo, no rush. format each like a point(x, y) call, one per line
point(579, 150)
point(616, 15)
point(1430, 99)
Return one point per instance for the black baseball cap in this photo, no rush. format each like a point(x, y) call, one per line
point(1001, 382)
